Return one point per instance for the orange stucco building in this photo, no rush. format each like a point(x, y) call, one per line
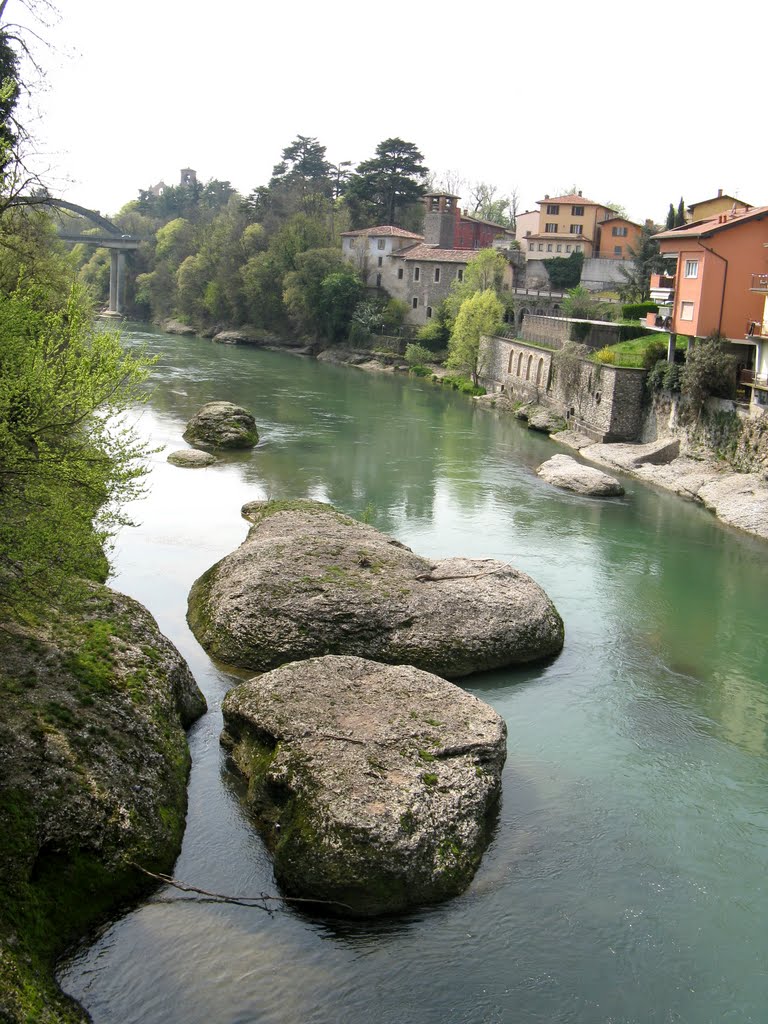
point(567, 224)
point(709, 287)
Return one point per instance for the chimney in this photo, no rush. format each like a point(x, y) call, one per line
point(579, 191)
point(719, 193)
point(546, 195)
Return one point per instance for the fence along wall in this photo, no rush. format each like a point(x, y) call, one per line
point(603, 402)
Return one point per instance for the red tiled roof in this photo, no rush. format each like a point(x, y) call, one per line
point(431, 253)
point(624, 220)
point(573, 198)
point(381, 231)
point(710, 226)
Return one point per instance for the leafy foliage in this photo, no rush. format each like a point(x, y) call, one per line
point(708, 371)
point(66, 462)
point(565, 273)
point(645, 260)
point(479, 314)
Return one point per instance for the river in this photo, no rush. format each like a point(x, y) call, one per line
point(626, 880)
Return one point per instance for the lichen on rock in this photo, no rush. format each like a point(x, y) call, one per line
point(373, 785)
point(93, 773)
point(309, 581)
point(222, 425)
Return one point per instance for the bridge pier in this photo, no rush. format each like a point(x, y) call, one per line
point(116, 282)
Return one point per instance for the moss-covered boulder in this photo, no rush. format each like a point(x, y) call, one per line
point(93, 774)
point(222, 425)
point(309, 581)
point(373, 785)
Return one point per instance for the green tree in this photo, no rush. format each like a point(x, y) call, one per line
point(670, 218)
point(67, 462)
point(484, 270)
point(565, 272)
point(645, 260)
point(680, 215)
point(581, 304)
point(303, 287)
point(709, 370)
point(479, 314)
point(384, 186)
point(339, 295)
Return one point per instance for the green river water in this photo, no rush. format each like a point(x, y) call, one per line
point(626, 881)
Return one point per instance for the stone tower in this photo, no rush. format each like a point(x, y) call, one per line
point(440, 219)
point(188, 176)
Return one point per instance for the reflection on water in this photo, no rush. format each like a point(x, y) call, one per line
point(626, 880)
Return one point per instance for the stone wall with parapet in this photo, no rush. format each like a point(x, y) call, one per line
point(603, 402)
point(554, 331)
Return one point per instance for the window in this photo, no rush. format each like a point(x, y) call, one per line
point(550, 228)
point(399, 273)
point(437, 274)
point(415, 302)
point(577, 247)
point(429, 312)
point(577, 229)
point(352, 243)
point(381, 243)
point(559, 248)
point(549, 247)
point(686, 311)
point(378, 280)
point(531, 247)
point(381, 260)
point(460, 274)
point(619, 232)
point(617, 250)
point(691, 268)
point(416, 275)
point(577, 211)
point(553, 208)
point(568, 248)
point(541, 247)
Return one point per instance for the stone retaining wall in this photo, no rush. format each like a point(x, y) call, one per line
point(603, 402)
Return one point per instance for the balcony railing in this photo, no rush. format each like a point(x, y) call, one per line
point(759, 283)
point(755, 329)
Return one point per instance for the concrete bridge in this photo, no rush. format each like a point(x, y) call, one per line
point(113, 239)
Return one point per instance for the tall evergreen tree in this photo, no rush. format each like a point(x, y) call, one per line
point(670, 217)
point(388, 183)
point(680, 215)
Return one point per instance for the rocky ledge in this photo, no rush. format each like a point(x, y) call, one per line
point(222, 425)
point(374, 786)
point(93, 773)
point(309, 581)
point(738, 499)
point(563, 471)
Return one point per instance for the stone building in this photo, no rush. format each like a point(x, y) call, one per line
point(368, 248)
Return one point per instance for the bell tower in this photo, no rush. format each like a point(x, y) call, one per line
point(441, 219)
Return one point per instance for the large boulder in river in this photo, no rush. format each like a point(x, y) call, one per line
point(222, 425)
point(309, 581)
point(93, 781)
point(373, 785)
point(563, 471)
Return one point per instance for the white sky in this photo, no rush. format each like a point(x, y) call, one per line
point(634, 103)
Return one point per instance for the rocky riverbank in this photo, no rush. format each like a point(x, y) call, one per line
point(93, 775)
point(738, 499)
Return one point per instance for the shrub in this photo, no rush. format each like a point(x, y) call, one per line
point(654, 351)
point(708, 371)
point(606, 355)
point(664, 376)
point(420, 371)
point(417, 355)
point(565, 273)
point(433, 335)
point(637, 310)
point(463, 384)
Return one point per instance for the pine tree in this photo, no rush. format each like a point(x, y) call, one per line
point(680, 215)
point(670, 217)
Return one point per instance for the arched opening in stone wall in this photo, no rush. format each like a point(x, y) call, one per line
point(521, 316)
point(539, 372)
point(528, 368)
point(520, 365)
point(511, 357)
